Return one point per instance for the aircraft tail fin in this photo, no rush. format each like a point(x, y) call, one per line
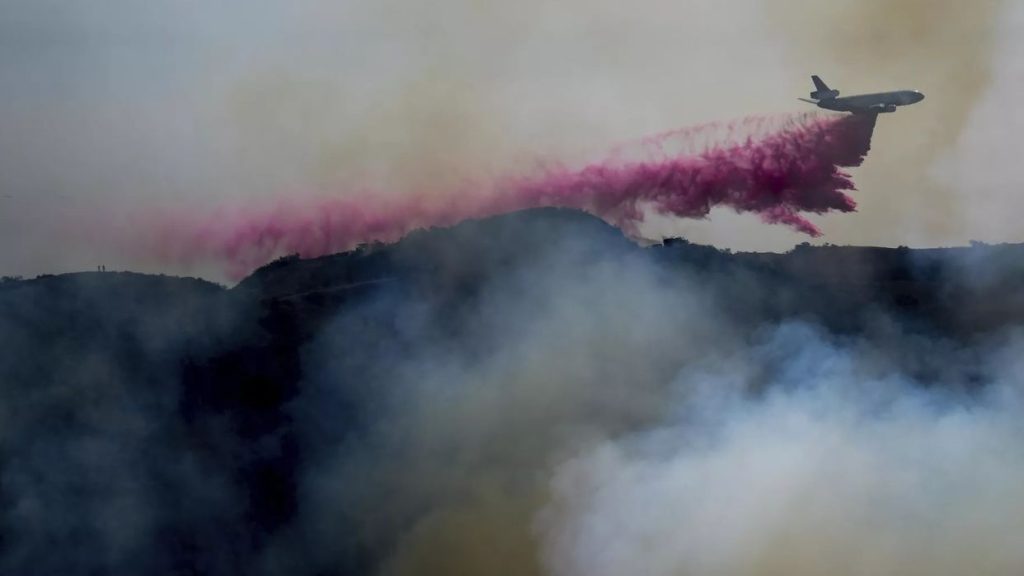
point(821, 90)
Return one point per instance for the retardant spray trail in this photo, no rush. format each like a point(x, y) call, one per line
point(778, 168)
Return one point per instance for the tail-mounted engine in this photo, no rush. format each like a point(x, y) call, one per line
point(824, 94)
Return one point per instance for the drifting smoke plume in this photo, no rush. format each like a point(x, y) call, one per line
point(530, 394)
point(527, 395)
point(601, 415)
point(777, 175)
point(155, 103)
point(834, 470)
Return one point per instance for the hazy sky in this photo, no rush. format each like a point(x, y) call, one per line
point(116, 108)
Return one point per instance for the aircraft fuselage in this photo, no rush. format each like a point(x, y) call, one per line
point(829, 99)
point(878, 102)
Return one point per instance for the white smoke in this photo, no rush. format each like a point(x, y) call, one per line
point(832, 470)
point(606, 415)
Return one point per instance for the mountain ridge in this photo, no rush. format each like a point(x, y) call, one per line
point(191, 385)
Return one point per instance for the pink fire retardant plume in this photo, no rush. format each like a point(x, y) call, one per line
point(776, 168)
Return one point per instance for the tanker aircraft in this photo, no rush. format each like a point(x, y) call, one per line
point(881, 102)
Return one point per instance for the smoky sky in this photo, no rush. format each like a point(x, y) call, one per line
point(126, 108)
point(546, 403)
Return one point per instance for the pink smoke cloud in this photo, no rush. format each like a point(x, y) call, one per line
point(778, 169)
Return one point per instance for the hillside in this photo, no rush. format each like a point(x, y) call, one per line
point(175, 424)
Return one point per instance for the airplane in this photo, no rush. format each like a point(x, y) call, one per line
point(881, 102)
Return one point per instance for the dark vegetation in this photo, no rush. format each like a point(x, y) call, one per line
point(149, 424)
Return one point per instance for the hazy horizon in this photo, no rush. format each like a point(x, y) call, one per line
point(138, 108)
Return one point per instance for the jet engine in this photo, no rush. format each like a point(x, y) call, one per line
point(888, 108)
point(824, 94)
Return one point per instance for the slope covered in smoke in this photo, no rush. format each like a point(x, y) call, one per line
point(527, 394)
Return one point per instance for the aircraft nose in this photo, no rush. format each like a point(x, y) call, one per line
point(918, 96)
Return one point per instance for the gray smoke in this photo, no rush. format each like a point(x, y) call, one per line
point(99, 472)
point(112, 113)
point(838, 467)
point(595, 414)
point(527, 395)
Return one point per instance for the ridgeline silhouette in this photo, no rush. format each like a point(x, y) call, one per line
point(166, 425)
